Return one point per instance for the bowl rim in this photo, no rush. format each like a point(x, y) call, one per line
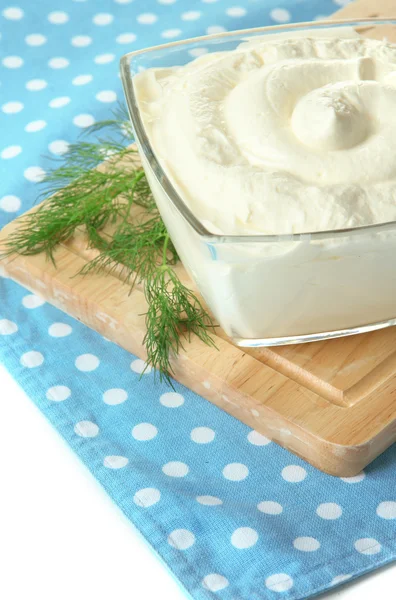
point(144, 144)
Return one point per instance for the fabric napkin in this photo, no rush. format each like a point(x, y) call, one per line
point(233, 515)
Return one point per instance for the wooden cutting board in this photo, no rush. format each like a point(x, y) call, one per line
point(333, 403)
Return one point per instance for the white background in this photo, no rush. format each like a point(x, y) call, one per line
point(62, 538)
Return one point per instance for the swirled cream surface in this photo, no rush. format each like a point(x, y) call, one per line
point(280, 135)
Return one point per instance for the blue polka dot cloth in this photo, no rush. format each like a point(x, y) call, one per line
point(233, 515)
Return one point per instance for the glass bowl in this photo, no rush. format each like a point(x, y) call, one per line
point(272, 289)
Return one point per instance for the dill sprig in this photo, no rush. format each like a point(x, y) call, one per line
point(135, 246)
point(79, 193)
point(173, 311)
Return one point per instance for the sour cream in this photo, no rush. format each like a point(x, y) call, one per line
point(280, 136)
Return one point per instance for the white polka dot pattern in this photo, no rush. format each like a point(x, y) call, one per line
point(106, 96)
point(84, 120)
point(171, 400)
point(12, 107)
point(86, 429)
point(257, 439)
point(236, 11)
point(59, 330)
point(147, 497)
point(59, 147)
point(81, 41)
point(103, 19)
point(59, 102)
point(191, 15)
point(12, 62)
point(32, 301)
point(103, 59)
point(35, 85)
point(125, 38)
point(7, 327)
point(34, 126)
point(280, 15)
point(235, 472)
point(115, 396)
point(356, 479)
point(213, 29)
point(13, 13)
point(329, 511)
point(147, 18)
point(387, 510)
point(10, 152)
point(367, 546)
point(175, 469)
point(59, 62)
point(202, 435)
point(279, 582)
point(306, 544)
point(181, 539)
point(244, 537)
point(115, 462)
point(10, 203)
point(32, 359)
point(294, 474)
point(209, 500)
point(34, 174)
point(139, 366)
point(87, 362)
point(144, 432)
point(214, 582)
point(35, 39)
point(218, 496)
point(58, 393)
point(196, 52)
point(169, 34)
point(269, 507)
point(58, 17)
point(82, 79)
point(340, 579)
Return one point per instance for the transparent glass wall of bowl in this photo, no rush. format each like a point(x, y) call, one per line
point(295, 288)
point(276, 289)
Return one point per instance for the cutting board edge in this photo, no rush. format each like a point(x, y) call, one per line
point(331, 456)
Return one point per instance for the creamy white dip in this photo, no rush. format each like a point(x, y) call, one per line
point(280, 135)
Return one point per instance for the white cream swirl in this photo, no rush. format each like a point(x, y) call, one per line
point(285, 136)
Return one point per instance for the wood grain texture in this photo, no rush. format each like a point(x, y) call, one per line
point(333, 403)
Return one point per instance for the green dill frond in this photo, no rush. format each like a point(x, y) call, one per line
point(56, 221)
point(135, 246)
point(92, 200)
point(81, 193)
point(173, 312)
